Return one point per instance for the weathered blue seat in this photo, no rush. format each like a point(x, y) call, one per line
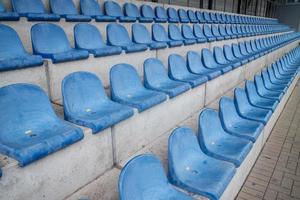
point(200, 17)
point(159, 34)
point(187, 33)
point(247, 111)
point(175, 35)
point(223, 33)
point(209, 62)
point(147, 13)
point(198, 32)
point(92, 8)
point(30, 129)
point(279, 87)
point(216, 33)
point(195, 65)
point(50, 41)
point(131, 10)
point(178, 71)
point(221, 59)
point(237, 53)
point(67, 10)
point(263, 91)
point(88, 37)
point(229, 32)
point(217, 143)
point(140, 35)
point(34, 10)
point(194, 171)
point(172, 15)
point(126, 88)
point(161, 14)
point(192, 16)
point(12, 53)
point(213, 17)
point(143, 177)
point(7, 16)
point(256, 100)
point(228, 52)
point(234, 124)
point(183, 16)
point(244, 52)
point(117, 35)
point(113, 9)
point(156, 78)
point(86, 104)
point(206, 17)
point(208, 34)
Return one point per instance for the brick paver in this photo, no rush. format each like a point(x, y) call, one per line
point(276, 173)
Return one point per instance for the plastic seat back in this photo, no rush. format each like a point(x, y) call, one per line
point(143, 177)
point(192, 16)
point(2, 8)
point(48, 39)
point(87, 36)
point(28, 6)
point(117, 35)
point(200, 17)
point(65, 7)
point(183, 16)
point(90, 8)
point(113, 9)
point(154, 72)
point(173, 15)
point(159, 33)
point(84, 89)
point(11, 45)
point(124, 80)
point(174, 32)
point(161, 13)
point(187, 32)
point(140, 34)
point(219, 55)
point(177, 66)
point(227, 111)
point(207, 57)
point(194, 62)
point(147, 11)
point(131, 10)
point(198, 32)
point(207, 31)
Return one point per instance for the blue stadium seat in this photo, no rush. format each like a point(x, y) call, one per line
point(159, 34)
point(263, 91)
point(231, 57)
point(147, 13)
point(219, 18)
point(113, 9)
point(140, 35)
point(88, 37)
point(210, 62)
point(223, 33)
point(221, 59)
point(126, 88)
point(200, 17)
point(50, 41)
point(229, 32)
point(208, 34)
point(216, 33)
point(178, 71)
point(143, 177)
point(195, 65)
point(131, 10)
point(213, 17)
point(34, 10)
point(217, 143)
point(172, 15)
point(250, 50)
point(12, 53)
point(247, 111)
point(92, 8)
point(117, 35)
point(30, 129)
point(183, 16)
point(237, 53)
point(206, 17)
point(86, 104)
point(156, 78)
point(234, 124)
point(194, 171)
point(7, 16)
point(175, 34)
point(188, 35)
point(192, 16)
point(256, 100)
point(278, 87)
point(161, 14)
point(67, 10)
point(198, 32)
point(242, 51)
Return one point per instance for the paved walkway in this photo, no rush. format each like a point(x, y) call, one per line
point(276, 174)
